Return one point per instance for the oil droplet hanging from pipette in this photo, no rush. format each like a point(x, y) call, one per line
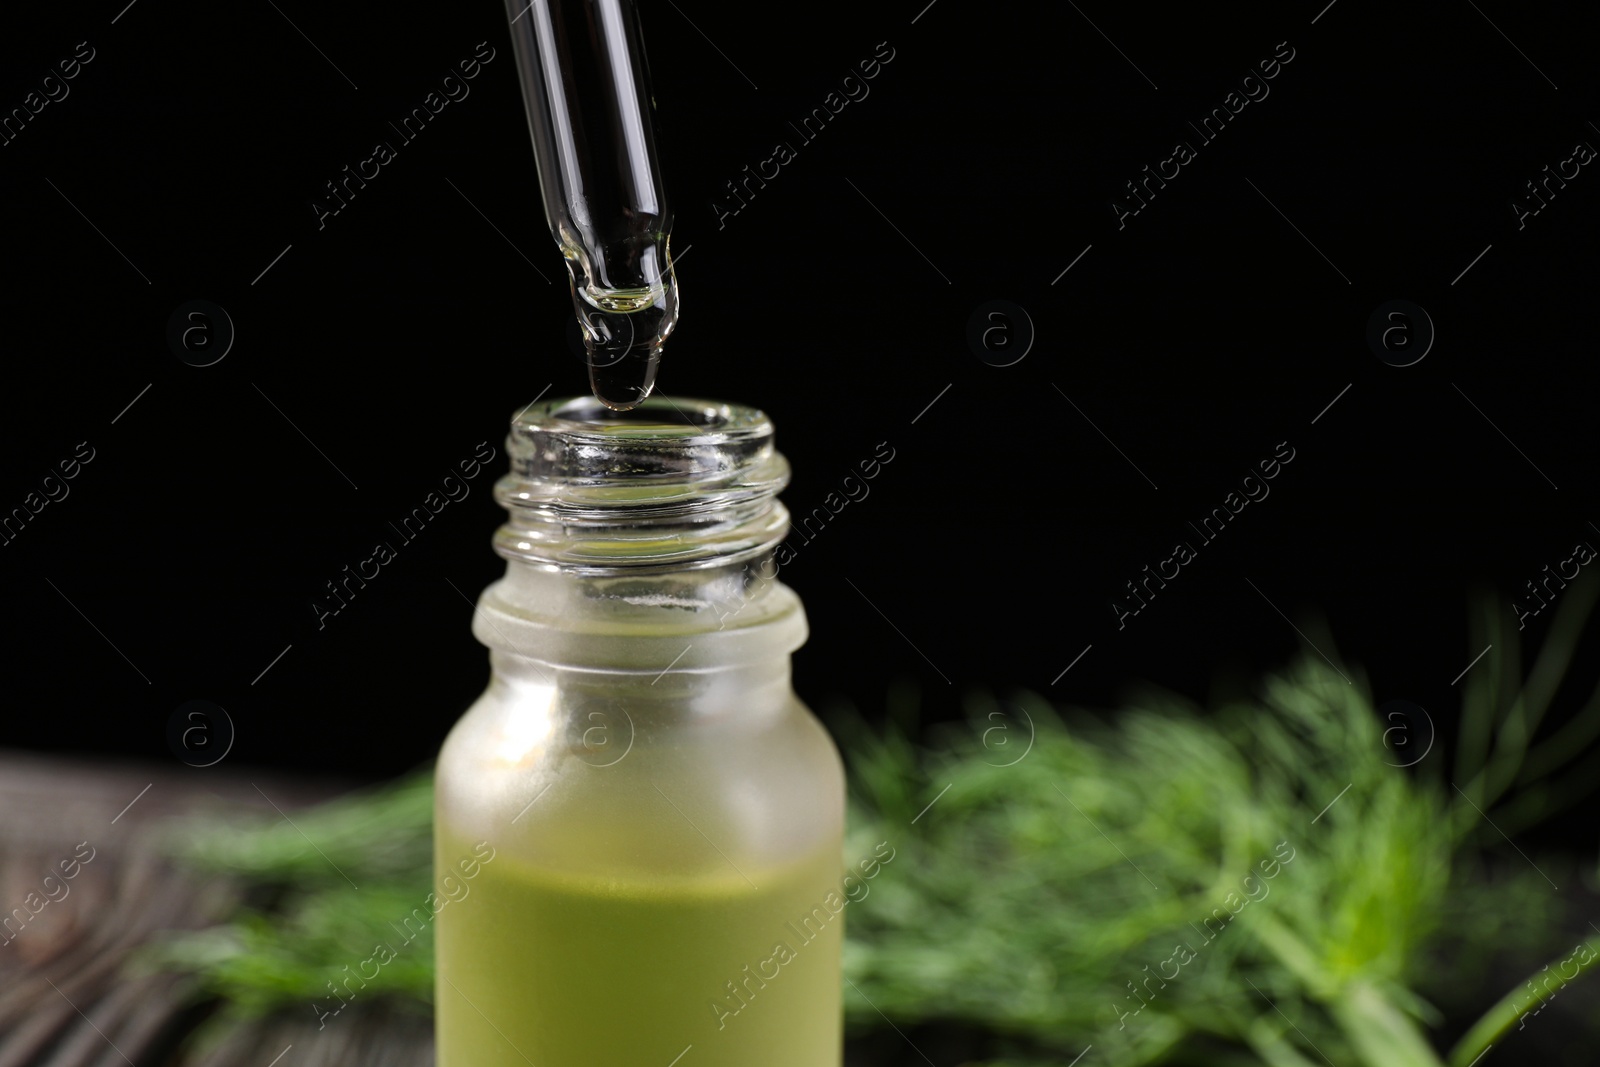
point(623, 332)
point(587, 89)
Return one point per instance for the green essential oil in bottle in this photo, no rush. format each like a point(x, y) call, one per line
point(638, 826)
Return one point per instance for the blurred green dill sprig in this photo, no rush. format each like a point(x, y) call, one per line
point(1074, 895)
point(310, 921)
point(1112, 886)
point(376, 835)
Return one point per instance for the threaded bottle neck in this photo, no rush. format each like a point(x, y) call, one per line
point(672, 484)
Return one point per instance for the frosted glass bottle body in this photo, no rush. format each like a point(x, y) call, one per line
point(638, 827)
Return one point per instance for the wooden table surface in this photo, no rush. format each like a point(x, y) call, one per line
point(66, 999)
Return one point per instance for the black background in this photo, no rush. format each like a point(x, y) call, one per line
point(379, 351)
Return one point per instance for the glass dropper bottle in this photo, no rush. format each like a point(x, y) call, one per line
point(638, 826)
point(586, 86)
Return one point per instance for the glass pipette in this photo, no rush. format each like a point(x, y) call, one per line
point(586, 87)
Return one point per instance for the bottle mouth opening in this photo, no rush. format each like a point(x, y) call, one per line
point(673, 481)
point(671, 420)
